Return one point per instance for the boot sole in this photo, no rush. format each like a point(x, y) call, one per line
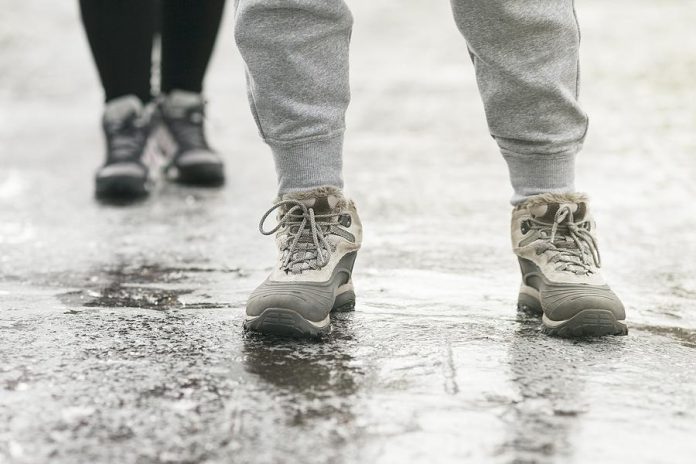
point(200, 175)
point(586, 323)
point(289, 323)
point(121, 188)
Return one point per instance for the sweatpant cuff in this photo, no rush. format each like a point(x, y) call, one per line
point(308, 165)
point(536, 174)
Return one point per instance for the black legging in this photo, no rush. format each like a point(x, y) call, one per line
point(120, 34)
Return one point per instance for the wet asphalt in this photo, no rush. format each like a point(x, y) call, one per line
point(121, 327)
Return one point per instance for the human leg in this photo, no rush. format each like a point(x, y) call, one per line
point(526, 60)
point(296, 53)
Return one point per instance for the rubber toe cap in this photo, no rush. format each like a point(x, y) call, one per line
point(311, 300)
point(565, 301)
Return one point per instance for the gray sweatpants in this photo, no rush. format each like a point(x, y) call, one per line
point(526, 57)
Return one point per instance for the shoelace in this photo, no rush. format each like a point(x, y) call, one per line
point(126, 138)
point(576, 251)
point(305, 246)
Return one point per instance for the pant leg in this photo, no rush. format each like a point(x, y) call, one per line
point(189, 33)
point(526, 59)
point(296, 55)
point(120, 36)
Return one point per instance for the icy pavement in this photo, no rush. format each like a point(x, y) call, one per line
point(120, 328)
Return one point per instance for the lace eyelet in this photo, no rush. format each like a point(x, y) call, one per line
point(525, 227)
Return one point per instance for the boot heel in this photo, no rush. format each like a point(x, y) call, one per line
point(345, 298)
point(528, 301)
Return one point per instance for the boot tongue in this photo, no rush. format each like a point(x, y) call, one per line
point(179, 99)
point(547, 212)
point(122, 108)
point(322, 205)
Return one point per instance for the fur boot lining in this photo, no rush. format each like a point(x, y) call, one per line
point(546, 198)
point(323, 191)
point(314, 193)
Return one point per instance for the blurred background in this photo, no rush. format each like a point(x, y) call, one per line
point(120, 327)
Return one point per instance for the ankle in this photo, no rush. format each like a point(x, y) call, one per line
point(308, 165)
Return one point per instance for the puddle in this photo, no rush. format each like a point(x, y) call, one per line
point(686, 337)
point(117, 296)
point(132, 287)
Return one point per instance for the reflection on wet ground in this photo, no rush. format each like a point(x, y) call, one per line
point(121, 327)
point(549, 392)
point(312, 381)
